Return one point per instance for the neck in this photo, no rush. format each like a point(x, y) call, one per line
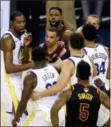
point(16, 34)
point(52, 48)
point(90, 43)
point(75, 52)
point(40, 64)
point(83, 82)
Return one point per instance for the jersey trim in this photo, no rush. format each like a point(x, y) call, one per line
point(79, 56)
point(85, 51)
point(93, 46)
point(71, 60)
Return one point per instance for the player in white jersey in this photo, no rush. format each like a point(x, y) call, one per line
point(96, 52)
point(12, 66)
point(99, 55)
point(40, 78)
point(68, 69)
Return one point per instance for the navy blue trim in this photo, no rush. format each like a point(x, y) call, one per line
point(32, 73)
point(85, 51)
point(93, 46)
point(79, 56)
point(9, 112)
point(71, 61)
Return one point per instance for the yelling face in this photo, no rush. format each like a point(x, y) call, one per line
point(54, 18)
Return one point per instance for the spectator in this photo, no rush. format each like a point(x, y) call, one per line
point(68, 11)
point(95, 21)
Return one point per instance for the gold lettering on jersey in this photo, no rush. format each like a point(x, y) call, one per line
point(86, 96)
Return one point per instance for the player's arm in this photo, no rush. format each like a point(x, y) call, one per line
point(8, 46)
point(66, 35)
point(94, 68)
point(67, 71)
point(27, 41)
point(105, 100)
point(63, 97)
point(29, 84)
point(57, 64)
point(62, 52)
point(108, 70)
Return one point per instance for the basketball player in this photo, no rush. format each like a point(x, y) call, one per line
point(82, 101)
point(55, 20)
point(96, 52)
point(12, 66)
point(68, 68)
point(99, 55)
point(52, 46)
point(41, 77)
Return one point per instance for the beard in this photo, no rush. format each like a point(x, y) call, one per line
point(56, 24)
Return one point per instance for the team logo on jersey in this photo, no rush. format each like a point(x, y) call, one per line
point(86, 90)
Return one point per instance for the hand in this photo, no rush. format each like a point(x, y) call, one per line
point(27, 39)
point(14, 123)
point(99, 83)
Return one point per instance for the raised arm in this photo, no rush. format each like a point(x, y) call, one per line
point(7, 46)
point(29, 83)
point(64, 96)
point(27, 41)
point(67, 71)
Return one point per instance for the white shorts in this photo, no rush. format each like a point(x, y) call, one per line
point(37, 118)
point(103, 116)
point(12, 91)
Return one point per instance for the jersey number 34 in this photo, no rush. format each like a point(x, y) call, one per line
point(101, 68)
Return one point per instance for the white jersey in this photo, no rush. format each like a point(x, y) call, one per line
point(100, 58)
point(76, 60)
point(18, 44)
point(12, 81)
point(46, 78)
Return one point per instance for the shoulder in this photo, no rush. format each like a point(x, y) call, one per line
point(30, 79)
point(7, 36)
point(30, 75)
point(68, 64)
